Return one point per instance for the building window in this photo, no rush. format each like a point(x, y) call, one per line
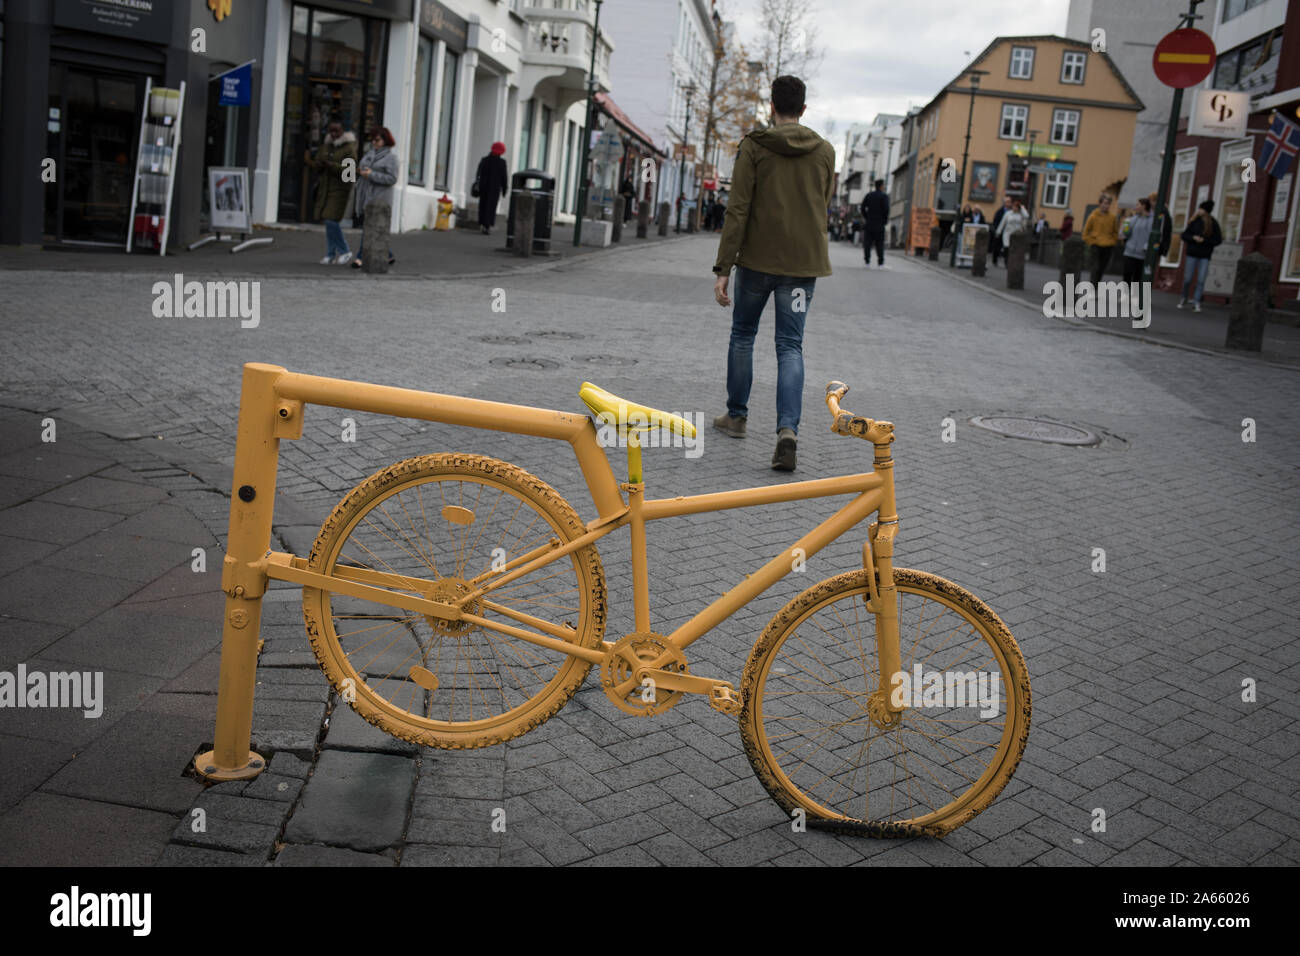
point(526, 135)
point(1180, 203)
point(420, 113)
point(1229, 190)
point(1072, 65)
point(1022, 63)
point(1014, 119)
point(1235, 8)
point(446, 118)
point(544, 138)
point(1056, 188)
point(1065, 127)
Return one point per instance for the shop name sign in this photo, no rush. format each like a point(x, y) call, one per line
point(1220, 113)
point(149, 20)
point(1039, 151)
point(444, 24)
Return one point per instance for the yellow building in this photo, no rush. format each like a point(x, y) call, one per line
point(1058, 96)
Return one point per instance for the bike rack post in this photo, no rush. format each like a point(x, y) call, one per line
point(243, 572)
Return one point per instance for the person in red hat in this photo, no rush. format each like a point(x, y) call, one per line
point(490, 184)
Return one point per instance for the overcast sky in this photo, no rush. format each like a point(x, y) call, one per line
point(882, 56)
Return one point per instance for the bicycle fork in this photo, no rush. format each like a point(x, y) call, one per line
point(878, 561)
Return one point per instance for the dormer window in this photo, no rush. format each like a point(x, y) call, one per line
point(1022, 63)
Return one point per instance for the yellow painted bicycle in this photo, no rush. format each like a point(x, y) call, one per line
point(458, 601)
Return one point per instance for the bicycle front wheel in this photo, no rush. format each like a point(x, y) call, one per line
point(819, 739)
point(437, 527)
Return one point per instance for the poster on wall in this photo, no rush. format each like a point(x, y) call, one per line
point(983, 182)
point(228, 198)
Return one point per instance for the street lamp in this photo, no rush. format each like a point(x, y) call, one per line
point(965, 151)
point(586, 132)
point(689, 90)
point(1029, 172)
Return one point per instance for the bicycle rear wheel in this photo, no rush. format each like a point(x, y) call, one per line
point(441, 525)
point(813, 728)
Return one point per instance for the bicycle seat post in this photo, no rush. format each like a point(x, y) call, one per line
point(635, 498)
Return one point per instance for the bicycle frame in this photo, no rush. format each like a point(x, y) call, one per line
point(272, 404)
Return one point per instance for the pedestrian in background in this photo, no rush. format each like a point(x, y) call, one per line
point(628, 192)
point(875, 214)
point(332, 192)
point(491, 182)
point(1101, 233)
point(376, 174)
point(995, 237)
point(1135, 247)
point(1014, 220)
point(1067, 225)
point(1199, 239)
point(775, 238)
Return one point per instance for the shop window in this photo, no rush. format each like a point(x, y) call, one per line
point(420, 113)
point(1180, 203)
point(544, 138)
point(446, 118)
point(1229, 190)
point(526, 134)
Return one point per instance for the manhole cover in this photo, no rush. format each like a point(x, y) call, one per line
point(504, 339)
point(533, 364)
point(555, 334)
point(611, 360)
point(1036, 429)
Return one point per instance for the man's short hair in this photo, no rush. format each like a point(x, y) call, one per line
point(788, 94)
point(880, 184)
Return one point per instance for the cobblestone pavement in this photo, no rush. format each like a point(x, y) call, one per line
point(1137, 672)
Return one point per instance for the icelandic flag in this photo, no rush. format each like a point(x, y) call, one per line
point(1280, 146)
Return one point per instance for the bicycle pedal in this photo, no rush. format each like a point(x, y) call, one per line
point(722, 697)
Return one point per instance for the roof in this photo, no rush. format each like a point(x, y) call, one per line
point(1083, 44)
point(606, 103)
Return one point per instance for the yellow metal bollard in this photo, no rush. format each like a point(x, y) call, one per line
point(262, 420)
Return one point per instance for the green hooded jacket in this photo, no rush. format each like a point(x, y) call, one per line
point(780, 193)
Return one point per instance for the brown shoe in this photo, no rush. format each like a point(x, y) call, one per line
point(783, 459)
point(730, 425)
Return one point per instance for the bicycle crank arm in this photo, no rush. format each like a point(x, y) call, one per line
point(722, 696)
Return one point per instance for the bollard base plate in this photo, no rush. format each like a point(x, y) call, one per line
point(205, 764)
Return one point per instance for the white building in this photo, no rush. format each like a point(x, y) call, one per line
point(446, 77)
point(871, 151)
point(665, 48)
point(1130, 33)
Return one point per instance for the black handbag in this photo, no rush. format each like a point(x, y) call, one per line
point(473, 190)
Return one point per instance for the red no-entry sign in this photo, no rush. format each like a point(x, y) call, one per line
point(1183, 58)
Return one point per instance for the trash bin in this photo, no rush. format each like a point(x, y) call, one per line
point(542, 186)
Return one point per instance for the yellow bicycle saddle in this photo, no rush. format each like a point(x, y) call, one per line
point(629, 416)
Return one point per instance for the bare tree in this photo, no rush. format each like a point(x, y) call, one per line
point(734, 97)
point(789, 39)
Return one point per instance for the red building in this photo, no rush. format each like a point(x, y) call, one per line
point(1262, 215)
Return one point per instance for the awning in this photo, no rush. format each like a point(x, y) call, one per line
point(611, 109)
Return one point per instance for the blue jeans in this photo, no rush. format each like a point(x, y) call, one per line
point(335, 244)
point(1195, 271)
point(793, 296)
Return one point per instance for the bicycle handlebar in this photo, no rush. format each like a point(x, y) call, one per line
point(846, 423)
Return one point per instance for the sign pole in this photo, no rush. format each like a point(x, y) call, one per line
point(1162, 212)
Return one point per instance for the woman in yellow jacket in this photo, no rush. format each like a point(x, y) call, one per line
point(1101, 233)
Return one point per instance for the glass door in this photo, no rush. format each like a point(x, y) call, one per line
point(336, 67)
point(92, 133)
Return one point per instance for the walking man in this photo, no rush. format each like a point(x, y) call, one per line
point(1101, 233)
point(875, 213)
point(775, 237)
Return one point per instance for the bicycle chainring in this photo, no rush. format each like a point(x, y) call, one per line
point(625, 658)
